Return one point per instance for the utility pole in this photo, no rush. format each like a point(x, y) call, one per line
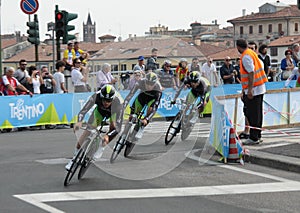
point(51, 26)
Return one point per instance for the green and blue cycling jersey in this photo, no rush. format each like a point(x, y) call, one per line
point(114, 113)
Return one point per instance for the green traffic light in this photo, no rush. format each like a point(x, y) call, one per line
point(33, 31)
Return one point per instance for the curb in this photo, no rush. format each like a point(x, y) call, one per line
point(286, 163)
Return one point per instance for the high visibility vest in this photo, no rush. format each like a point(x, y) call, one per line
point(259, 73)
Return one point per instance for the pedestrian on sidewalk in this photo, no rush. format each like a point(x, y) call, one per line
point(253, 83)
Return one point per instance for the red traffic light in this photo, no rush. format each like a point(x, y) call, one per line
point(59, 16)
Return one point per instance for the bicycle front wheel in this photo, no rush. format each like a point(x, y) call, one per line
point(86, 162)
point(128, 149)
point(74, 167)
point(173, 129)
point(117, 149)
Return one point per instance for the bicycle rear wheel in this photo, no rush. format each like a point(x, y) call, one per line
point(117, 149)
point(74, 167)
point(173, 129)
point(86, 162)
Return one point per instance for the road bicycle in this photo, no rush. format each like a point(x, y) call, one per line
point(184, 120)
point(129, 136)
point(84, 156)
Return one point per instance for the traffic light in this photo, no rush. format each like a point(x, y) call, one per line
point(62, 28)
point(33, 32)
point(68, 17)
point(59, 24)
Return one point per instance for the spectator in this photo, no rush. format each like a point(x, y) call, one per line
point(79, 53)
point(59, 78)
point(11, 84)
point(36, 79)
point(69, 55)
point(266, 59)
point(104, 76)
point(22, 75)
point(79, 76)
point(166, 76)
point(253, 89)
point(152, 64)
point(227, 71)
point(125, 79)
point(137, 75)
point(287, 64)
point(236, 70)
point(209, 71)
point(49, 81)
point(140, 65)
point(296, 52)
point(194, 66)
point(181, 71)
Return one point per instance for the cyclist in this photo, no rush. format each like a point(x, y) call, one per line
point(150, 94)
point(200, 87)
point(108, 105)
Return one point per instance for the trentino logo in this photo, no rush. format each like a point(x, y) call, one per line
point(19, 110)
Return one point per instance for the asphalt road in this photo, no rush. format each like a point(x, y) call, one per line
point(156, 178)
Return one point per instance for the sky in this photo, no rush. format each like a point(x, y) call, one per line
point(121, 18)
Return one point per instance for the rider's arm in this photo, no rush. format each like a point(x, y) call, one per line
point(154, 108)
point(89, 104)
point(131, 93)
point(117, 118)
point(179, 91)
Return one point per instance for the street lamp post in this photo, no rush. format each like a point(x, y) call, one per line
point(51, 27)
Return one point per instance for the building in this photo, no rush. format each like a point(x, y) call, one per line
point(271, 22)
point(89, 30)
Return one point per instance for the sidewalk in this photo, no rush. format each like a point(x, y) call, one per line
point(277, 152)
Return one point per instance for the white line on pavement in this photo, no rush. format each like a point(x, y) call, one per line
point(40, 198)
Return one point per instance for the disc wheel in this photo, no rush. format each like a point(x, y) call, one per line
point(173, 129)
point(128, 149)
point(74, 167)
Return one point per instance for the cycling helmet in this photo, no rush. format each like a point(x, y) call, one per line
point(194, 76)
point(151, 78)
point(183, 60)
point(107, 92)
point(167, 62)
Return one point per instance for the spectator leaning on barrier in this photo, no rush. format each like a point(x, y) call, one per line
point(227, 71)
point(152, 64)
point(181, 71)
point(166, 76)
point(296, 52)
point(36, 79)
point(253, 88)
point(10, 84)
point(194, 66)
point(59, 78)
point(104, 76)
point(79, 76)
point(49, 81)
point(140, 65)
point(295, 75)
point(137, 76)
point(21, 74)
point(209, 71)
point(287, 64)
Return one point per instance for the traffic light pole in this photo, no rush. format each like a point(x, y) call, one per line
point(58, 48)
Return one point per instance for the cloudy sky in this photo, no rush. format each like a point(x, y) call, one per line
point(121, 18)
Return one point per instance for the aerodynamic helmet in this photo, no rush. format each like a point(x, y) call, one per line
point(151, 78)
point(107, 92)
point(194, 76)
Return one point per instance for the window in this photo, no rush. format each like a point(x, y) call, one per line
point(260, 29)
point(270, 28)
point(250, 29)
point(279, 28)
point(241, 30)
point(92, 31)
point(123, 67)
point(132, 66)
point(296, 27)
point(274, 51)
point(85, 31)
point(114, 67)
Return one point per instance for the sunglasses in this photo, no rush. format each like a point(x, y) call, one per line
point(150, 83)
point(107, 100)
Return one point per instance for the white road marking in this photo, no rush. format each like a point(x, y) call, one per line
point(39, 199)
